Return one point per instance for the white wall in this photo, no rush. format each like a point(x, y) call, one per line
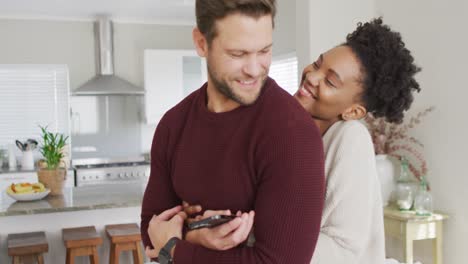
point(44, 42)
point(435, 31)
point(72, 43)
point(284, 35)
point(323, 24)
point(303, 35)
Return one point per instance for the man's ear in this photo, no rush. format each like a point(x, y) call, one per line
point(354, 112)
point(201, 45)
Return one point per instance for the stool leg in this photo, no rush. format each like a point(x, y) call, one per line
point(137, 254)
point(94, 258)
point(111, 255)
point(116, 255)
point(16, 260)
point(40, 259)
point(70, 256)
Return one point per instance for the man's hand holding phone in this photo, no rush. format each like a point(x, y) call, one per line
point(210, 222)
point(221, 237)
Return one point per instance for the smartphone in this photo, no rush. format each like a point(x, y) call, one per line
point(211, 221)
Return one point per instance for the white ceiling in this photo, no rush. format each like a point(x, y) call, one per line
point(124, 11)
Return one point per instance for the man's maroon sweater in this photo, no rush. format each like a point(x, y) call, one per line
point(266, 157)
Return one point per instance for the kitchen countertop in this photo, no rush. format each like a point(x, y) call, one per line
point(91, 197)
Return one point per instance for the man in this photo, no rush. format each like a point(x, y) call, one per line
point(239, 143)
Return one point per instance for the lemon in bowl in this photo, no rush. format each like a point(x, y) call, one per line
point(27, 191)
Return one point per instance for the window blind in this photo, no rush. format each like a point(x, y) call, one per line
point(33, 95)
point(284, 71)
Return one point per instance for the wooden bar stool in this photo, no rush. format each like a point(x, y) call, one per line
point(27, 245)
point(124, 237)
point(81, 241)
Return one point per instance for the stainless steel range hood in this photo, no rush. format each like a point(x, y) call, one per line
point(105, 82)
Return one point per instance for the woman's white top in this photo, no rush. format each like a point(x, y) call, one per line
point(352, 222)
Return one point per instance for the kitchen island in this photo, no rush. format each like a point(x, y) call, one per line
point(97, 205)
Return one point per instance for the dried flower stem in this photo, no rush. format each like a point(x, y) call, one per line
point(393, 140)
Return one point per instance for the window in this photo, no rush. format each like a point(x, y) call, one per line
point(284, 71)
point(33, 95)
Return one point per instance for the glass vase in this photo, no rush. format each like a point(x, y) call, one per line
point(423, 200)
point(404, 190)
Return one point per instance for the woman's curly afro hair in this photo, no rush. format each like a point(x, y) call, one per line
point(388, 69)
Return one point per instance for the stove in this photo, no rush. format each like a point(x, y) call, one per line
point(111, 171)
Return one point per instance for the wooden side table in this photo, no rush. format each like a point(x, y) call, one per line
point(408, 227)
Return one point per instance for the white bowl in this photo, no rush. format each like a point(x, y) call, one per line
point(29, 196)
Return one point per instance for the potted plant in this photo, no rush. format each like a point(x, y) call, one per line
point(52, 172)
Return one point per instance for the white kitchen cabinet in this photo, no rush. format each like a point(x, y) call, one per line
point(170, 75)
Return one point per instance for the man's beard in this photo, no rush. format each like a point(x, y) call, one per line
point(227, 90)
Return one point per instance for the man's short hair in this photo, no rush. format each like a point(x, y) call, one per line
point(209, 11)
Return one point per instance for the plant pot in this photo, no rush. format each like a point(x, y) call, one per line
point(386, 173)
point(53, 179)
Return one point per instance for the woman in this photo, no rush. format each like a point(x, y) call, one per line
point(372, 72)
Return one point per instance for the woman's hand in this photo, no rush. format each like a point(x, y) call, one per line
point(191, 210)
point(163, 227)
point(225, 236)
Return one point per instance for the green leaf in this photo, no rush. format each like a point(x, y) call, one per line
point(52, 147)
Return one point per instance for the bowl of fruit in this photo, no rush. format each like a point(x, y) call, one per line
point(27, 191)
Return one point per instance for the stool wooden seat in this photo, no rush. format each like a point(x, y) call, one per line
point(124, 237)
point(81, 241)
point(27, 245)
